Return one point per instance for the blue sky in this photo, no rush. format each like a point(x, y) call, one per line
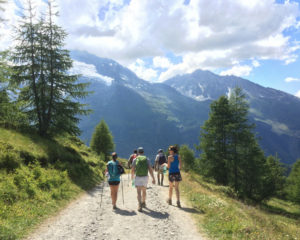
point(257, 40)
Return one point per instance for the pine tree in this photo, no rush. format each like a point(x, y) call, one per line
point(42, 70)
point(10, 114)
point(214, 140)
point(61, 109)
point(26, 68)
point(293, 183)
point(241, 136)
point(230, 150)
point(102, 140)
point(275, 179)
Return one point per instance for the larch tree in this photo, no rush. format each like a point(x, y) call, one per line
point(102, 140)
point(214, 140)
point(42, 70)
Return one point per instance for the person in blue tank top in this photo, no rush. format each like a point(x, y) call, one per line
point(113, 174)
point(174, 165)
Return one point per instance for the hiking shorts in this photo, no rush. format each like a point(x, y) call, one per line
point(175, 177)
point(114, 183)
point(141, 181)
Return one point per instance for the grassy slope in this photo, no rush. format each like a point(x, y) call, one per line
point(42, 177)
point(223, 217)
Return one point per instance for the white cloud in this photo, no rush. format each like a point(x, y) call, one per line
point(291, 79)
point(298, 94)
point(255, 63)
point(206, 34)
point(161, 62)
point(140, 69)
point(238, 70)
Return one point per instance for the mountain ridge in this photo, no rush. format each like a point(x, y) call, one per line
point(176, 108)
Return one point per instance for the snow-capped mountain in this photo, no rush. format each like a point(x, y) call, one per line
point(154, 116)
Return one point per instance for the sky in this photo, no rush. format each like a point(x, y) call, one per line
point(258, 40)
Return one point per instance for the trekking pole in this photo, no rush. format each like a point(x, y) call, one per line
point(122, 190)
point(128, 177)
point(102, 193)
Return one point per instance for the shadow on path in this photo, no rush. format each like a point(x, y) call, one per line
point(155, 214)
point(124, 212)
point(189, 210)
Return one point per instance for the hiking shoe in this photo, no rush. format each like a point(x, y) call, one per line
point(178, 204)
point(143, 205)
point(140, 207)
point(169, 201)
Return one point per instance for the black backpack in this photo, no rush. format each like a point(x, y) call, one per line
point(162, 159)
point(120, 169)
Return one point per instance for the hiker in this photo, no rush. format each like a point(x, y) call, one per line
point(160, 164)
point(174, 165)
point(140, 167)
point(113, 173)
point(131, 158)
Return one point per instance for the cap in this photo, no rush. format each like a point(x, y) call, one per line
point(140, 149)
point(159, 151)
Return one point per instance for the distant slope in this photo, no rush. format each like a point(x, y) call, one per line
point(275, 113)
point(140, 113)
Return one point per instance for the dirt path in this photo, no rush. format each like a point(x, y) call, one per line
point(84, 219)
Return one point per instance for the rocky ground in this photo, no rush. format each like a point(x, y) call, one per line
point(90, 218)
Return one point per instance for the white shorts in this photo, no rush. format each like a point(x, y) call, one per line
point(141, 181)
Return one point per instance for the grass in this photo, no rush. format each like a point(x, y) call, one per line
point(39, 176)
point(222, 216)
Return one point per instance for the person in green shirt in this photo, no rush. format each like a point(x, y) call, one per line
point(141, 165)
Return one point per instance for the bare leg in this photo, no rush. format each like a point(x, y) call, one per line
point(177, 191)
point(144, 194)
point(158, 179)
point(114, 193)
point(162, 178)
point(170, 190)
point(139, 194)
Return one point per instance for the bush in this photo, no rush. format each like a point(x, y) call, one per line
point(8, 191)
point(9, 160)
point(27, 157)
point(187, 157)
point(293, 183)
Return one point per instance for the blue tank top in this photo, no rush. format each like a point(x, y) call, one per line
point(174, 166)
point(113, 171)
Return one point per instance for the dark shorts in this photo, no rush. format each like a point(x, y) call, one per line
point(175, 177)
point(114, 182)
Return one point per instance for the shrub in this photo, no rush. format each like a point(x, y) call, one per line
point(9, 160)
point(188, 157)
point(8, 191)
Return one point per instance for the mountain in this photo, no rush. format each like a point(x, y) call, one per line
point(275, 113)
point(155, 115)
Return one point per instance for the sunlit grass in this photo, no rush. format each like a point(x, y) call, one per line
point(224, 217)
point(45, 176)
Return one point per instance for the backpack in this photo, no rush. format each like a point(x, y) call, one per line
point(141, 166)
point(132, 157)
point(162, 159)
point(120, 169)
point(113, 170)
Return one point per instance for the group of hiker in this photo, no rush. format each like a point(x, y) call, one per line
point(140, 166)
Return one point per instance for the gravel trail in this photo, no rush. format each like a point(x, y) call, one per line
point(83, 219)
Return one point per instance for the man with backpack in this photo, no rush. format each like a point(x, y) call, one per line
point(139, 175)
point(131, 158)
point(160, 164)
